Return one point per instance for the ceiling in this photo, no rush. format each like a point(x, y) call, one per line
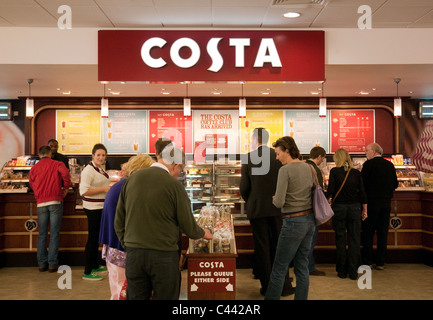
point(82, 80)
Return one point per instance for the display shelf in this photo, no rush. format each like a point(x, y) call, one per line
point(14, 176)
point(408, 178)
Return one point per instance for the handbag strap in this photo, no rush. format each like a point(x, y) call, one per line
point(341, 187)
point(316, 182)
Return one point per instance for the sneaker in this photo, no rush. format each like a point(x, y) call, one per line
point(92, 276)
point(100, 269)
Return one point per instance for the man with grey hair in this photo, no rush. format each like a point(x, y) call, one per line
point(380, 181)
point(152, 207)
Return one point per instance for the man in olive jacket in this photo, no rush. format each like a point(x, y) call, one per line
point(152, 207)
point(257, 187)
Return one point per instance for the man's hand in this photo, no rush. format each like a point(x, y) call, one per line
point(207, 234)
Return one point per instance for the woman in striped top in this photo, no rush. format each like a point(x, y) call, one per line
point(94, 186)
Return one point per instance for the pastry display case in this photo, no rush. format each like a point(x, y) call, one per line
point(227, 182)
point(199, 185)
point(409, 178)
point(14, 176)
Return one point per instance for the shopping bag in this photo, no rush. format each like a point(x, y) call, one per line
point(321, 207)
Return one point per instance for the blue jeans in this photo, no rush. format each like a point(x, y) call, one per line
point(294, 243)
point(311, 261)
point(53, 215)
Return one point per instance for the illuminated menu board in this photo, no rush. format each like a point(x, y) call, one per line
point(77, 131)
point(171, 124)
point(271, 120)
point(352, 130)
point(125, 131)
point(215, 132)
point(308, 129)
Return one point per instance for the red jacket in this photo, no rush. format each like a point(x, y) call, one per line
point(46, 180)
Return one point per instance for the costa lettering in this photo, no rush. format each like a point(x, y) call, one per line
point(267, 53)
point(214, 55)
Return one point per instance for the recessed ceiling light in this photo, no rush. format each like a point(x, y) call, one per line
point(364, 92)
point(115, 93)
point(291, 15)
point(66, 92)
point(314, 92)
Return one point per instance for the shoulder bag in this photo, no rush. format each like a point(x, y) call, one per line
point(331, 201)
point(321, 207)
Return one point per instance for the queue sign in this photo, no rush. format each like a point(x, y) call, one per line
point(207, 276)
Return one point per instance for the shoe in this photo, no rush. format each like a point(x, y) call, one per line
point(100, 269)
point(317, 273)
point(53, 269)
point(92, 276)
point(380, 267)
point(288, 292)
point(353, 277)
point(342, 275)
point(43, 269)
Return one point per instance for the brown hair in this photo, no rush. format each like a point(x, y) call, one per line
point(288, 143)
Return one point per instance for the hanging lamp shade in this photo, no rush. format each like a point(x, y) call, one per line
point(104, 108)
point(322, 107)
point(187, 107)
point(397, 107)
point(30, 108)
point(242, 107)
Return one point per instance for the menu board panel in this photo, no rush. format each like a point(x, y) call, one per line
point(77, 131)
point(352, 130)
point(125, 131)
point(216, 132)
point(171, 124)
point(271, 120)
point(308, 129)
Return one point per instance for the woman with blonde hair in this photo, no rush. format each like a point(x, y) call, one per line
point(112, 252)
point(346, 189)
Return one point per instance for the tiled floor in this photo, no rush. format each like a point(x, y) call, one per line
point(396, 282)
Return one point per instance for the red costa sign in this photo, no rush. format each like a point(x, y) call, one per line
point(196, 55)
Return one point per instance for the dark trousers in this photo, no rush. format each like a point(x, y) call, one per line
point(152, 274)
point(347, 226)
point(377, 222)
point(92, 245)
point(265, 236)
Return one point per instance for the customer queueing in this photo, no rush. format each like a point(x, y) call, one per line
point(112, 251)
point(46, 179)
point(380, 181)
point(94, 186)
point(350, 206)
point(257, 187)
point(152, 207)
point(317, 155)
point(293, 196)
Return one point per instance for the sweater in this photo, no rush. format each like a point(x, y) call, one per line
point(45, 179)
point(92, 178)
point(153, 207)
point(294, 188)
point(107, 234)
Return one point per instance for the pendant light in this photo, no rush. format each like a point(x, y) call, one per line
point(397, 101)
point(104, 105)
point(30, 105)
point(322, 103)
point(187, 104)
point(242, 105)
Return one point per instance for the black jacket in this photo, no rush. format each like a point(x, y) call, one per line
point(257, 189)
point(380, 179)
